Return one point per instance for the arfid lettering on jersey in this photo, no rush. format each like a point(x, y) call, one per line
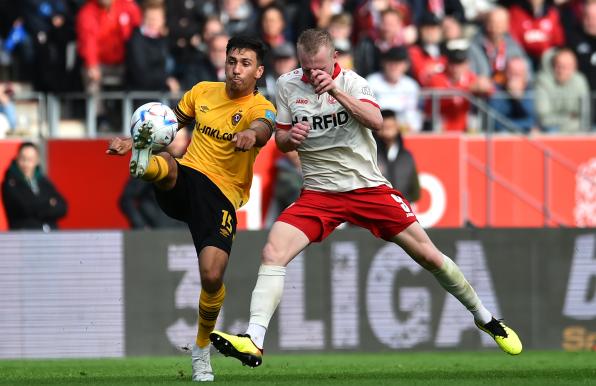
point(326, 121)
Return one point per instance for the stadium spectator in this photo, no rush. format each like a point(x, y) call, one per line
point(50, 23)
point(30, 200)
point(103, 27)
point(452, 29)
point(283, 60)
point(342, 183)
point(390, 32)
point(562, 103)
point(16, 50)
point(514, 100)
point(453, 110)
point(238, 17)
point(491, 49)
point(8, 111)
point(395, 90)
point(395, 161)
point(341, 26)
point(340, 29)
point(148, 63)
point(212, 26)
point(184, 21)
point(209, 67)
point(438, 8)
point(583, 42)
point(536, 25)
point(426, 55)
point(272, 24)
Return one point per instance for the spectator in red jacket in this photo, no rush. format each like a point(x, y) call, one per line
point(426, 56)
point(536, 25)
point(453, 110)
point(103, 28)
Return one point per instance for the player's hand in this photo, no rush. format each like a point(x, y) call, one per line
point(119, 146)
point(299, 132)
point(245, 140)
point(321, 81)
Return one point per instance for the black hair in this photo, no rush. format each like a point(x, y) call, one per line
point(387, 113)
point(249, 43)
point(27, 144)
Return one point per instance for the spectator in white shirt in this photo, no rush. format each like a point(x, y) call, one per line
point(397, 91)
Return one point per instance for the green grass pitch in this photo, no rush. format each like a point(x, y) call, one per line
point(538, 368)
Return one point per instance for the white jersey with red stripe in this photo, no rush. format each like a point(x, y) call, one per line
point(339, 154)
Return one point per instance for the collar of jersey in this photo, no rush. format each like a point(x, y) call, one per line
point(336, 71)
point(241, 99)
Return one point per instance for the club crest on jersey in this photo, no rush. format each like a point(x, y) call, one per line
point(204, 108)
point(236, 118)
point(331, 100)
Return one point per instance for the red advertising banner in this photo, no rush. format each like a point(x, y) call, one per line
point(509, 181)
point(543, 181)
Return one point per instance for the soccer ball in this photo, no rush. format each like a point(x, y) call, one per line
point(162, 120)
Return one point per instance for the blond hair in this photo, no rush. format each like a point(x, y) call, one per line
point(311, 40)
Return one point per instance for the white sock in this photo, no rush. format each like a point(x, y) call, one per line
point(452, 279)
point(264, 301)
point(257, 334)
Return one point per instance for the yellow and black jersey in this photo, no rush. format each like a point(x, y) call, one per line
point(211, 150)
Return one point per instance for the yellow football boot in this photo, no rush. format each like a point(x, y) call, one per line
point(505, 337)
point(238, 346)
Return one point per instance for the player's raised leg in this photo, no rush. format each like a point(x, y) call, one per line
point(212, 265)
point(283, 244)
point(418, 245)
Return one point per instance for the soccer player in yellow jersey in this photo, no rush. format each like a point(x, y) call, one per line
point(212, 180)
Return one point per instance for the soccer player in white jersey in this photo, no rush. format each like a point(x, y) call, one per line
point(328, 114)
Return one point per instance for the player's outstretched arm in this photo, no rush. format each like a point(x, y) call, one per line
point(288, 140)
point(119, 146)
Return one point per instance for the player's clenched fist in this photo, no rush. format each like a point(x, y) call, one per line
point(299, 132)
point(245, 140)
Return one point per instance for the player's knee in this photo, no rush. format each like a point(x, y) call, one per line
point(429, 257)
point(271, 255)
point(432, 259)
point(211, 280)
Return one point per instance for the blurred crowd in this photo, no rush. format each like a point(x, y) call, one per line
point(532, 61)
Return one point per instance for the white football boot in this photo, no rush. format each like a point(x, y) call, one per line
point(201, 364)
point(142, 141)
